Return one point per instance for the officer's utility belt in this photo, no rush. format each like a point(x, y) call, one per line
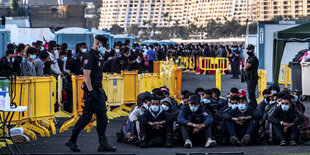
point(84, 87)
point(251, 75)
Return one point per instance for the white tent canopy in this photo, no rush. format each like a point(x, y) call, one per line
point(29, 35)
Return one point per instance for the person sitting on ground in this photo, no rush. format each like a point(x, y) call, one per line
point(216, 94)
point(169, 107)
point(261, 106)
point(233, 92)
point(285, 120)
point(27, 66)
point(166, 92)
point(144, 102)
point(297, 101)
point(195, 123)
point(184, 99)
point(155, 125)
point(242, 123)
point(200, 91)
point(232, 105)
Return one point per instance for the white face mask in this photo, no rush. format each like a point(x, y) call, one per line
point(145, 106)
point(117, 50)
point(102, 50)
point(84, 50)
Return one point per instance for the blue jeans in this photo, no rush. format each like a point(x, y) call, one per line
point(291, 133)
point(236, 130)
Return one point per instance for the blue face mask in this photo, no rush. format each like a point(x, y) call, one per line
point(84, 50)
point(296, 97)
point(12, 60)
point(102, 50)
point(166, 108)
point(32, 56)
point(155, 108)
point(193, 109)
point(233, 106)
point(206, 101)
point(241, 107)
point(65, 59)
point(285, 107)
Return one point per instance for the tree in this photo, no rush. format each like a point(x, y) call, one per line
point(133, 30)
point(116, 29)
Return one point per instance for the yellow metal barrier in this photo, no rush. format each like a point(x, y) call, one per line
point(218, 79)
point(213, 64)
point(262, 82)
point(285, 75)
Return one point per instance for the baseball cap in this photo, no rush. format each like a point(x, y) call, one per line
point(250, 47)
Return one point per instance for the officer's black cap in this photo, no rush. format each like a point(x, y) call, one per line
point(250, 47)
point(194, 99)
point(102, 39)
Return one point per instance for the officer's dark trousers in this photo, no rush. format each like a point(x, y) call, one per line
point(236, 130)
point(196, 138)
point(291, 133)
point(235, 68)
point(87, 115)
point(251, 86)
point(156, 137)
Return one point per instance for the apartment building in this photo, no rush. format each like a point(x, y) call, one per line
point(165, 13)
point(268, 9)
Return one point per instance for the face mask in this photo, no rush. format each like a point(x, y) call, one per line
point(234, 106)
point(84, 50)
point(42, 48)
point(138, 61)
point(285, 107)
point(102, 50)
point(166, 108)
point(145, 106)
point(193, 109)
point(12, 60)
point(155, 108)
point(272, 102)
point(117, 50)
point(32, 56)
point(296, 97)
point(65, 59)
point(273, 92)
point(56, 52)
point(279, 103)
point(206, 101)
point(241, 107)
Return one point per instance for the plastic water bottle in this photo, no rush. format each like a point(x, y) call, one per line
point(2, 100)
point(7, 99)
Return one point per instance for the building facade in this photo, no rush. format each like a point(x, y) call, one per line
point(268, 9)
point(171, 12)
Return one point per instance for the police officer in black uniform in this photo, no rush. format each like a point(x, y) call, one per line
point(94, 97)
point(251, 74)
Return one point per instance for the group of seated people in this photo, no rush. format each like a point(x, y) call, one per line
point(205, 118)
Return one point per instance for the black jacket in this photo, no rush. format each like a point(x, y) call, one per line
point(149, 116)
point(290, 116)
point(201, 116)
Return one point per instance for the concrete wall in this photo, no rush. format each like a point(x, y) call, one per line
point(67, 16)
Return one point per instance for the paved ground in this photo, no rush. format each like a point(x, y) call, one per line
point(88, 141)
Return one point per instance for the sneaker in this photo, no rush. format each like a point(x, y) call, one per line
point(188, 143)
point(210, 143)
point(245, 140)
point(293, 143)
point(73, 147)
point(20, 138)
point(283, 143)
point(234, 141)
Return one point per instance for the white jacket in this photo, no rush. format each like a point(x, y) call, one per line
point(54, 64)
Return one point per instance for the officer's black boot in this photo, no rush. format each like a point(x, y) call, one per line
point(71, 143)
point(168, 142)
point(104, 145)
